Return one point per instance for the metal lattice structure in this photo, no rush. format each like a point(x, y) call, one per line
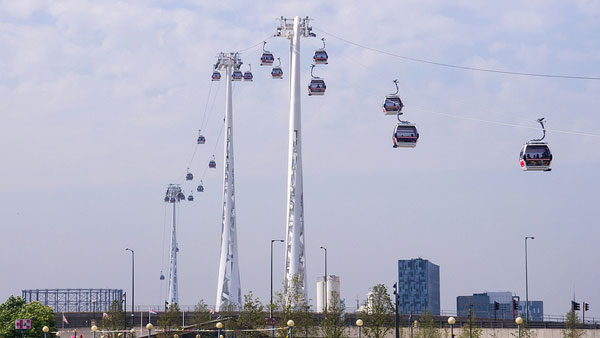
point(295, 257)
point(75, 300)
point(229, 292)
point(173, 195)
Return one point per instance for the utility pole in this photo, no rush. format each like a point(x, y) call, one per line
point(295, 257)
point(396, 310)
point(526, 282)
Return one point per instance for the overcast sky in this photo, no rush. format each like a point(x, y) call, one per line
point(100, 104)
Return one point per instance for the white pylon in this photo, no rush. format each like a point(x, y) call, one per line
point(174, 195)
point(229, 292)
point(295, 257)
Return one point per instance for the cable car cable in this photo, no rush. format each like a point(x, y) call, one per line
point(487, 70)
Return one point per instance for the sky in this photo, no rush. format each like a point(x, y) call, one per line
point(101, 102)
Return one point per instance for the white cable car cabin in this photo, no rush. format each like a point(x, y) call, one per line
point(201, 138)
point(321, 57)
point(405, 135)
point(267, 57)
point(189, 176)
point(248, 75)
point(212, 164)
point(316, 85)
point(190, 197)
point(200, 187)
point(277, 72)
point(392, 104)
point(216, 76)
point(535, 154)
point(237, 75)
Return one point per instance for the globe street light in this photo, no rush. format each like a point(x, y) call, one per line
point(219, 326)
point(94, 329)
point(519, 321)
point(132, 331)
point(359, 323)
point(45, 329)
point(149, 326)
point(526, 282)
point(451, 321)
point(290, 324)
point(58, 334)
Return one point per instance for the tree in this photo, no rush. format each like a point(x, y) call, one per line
point(113, 319)
point(427, 327)
point(294, 305)
point(573, 326)
point(15, 308)
point(333, 320)
point(201, 313)
point(470, 330)
point(378, 312)
point(171, 318)
point(252, 315)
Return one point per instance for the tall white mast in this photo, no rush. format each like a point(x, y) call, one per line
point(295, 257)
point(229, 292)
point(174, 195)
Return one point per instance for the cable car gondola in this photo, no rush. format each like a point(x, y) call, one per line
point(237, 75)
point(317, 85)
point(180, 196)
point(166, 198)
point(216, 76)
point(189, 176)
point(321, 56)
point(200, 187)
point(277, 72)
point(190, 197)
point(405, 135)
point(535, 154)
point(201, 138)
point(248, 74)
point(392, 103)
point(212, 164)
point(267, 57)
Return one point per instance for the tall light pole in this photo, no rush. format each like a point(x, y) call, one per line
point(132, 281)
point(526, 281)
point(325, 279)
point(295, 257)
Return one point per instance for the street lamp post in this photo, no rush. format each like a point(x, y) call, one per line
point(290, 324)
point(325, 279)
point(132, 284)
point(58, 334)
point(519, 321)
point(526, 281)
point(451, 321)
point(359, 323)
point(94, 309)
point(271, 304)
point(219, 326)
point(149, 326)
point(45, 329)
point(94, 330)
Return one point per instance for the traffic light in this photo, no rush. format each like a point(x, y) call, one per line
point(586, 307)
point(515, 305)
point(496, 306)
point(395, 288)
point(575, 306)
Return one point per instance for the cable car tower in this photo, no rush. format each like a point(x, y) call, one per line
point(295, 257)
point(229, 292)
point(173, 195)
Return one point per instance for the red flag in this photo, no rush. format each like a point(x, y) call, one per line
point(65, 319)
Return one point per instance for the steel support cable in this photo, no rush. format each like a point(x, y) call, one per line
point(375, 95)
point(487, 70)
